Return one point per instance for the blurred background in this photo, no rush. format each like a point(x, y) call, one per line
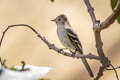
point(21, 44)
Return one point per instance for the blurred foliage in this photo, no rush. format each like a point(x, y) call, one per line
point(113, 4)
point(44, 79)
point(52, 0)
point(118, 19)
point(13, 68)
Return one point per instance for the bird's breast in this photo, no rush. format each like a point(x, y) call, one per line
point(62, 35)
point(64, 39)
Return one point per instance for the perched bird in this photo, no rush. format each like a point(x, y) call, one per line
point(69, 39)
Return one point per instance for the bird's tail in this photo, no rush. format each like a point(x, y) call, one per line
point(87, 67)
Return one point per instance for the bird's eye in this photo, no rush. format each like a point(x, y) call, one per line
point(59, 19)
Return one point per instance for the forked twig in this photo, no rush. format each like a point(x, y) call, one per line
point(115, 71)
point(97, 27)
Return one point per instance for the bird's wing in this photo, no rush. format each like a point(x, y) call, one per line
point(74, 39)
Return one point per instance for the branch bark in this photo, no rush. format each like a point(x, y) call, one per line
point(51, 46)
point(111, 19)
point(115, 71)
point(97, 27)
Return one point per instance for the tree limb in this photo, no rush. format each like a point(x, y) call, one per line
point(97, 27)
point(111, 19)
point(51, 46)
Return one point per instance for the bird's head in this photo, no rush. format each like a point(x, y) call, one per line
point(61, 19)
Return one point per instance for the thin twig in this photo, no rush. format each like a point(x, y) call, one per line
point(115, 71)
point(2, 62)
point(118, 67)
point(51, 46)
point(23, 67)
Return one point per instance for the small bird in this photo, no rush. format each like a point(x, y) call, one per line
point(69, 39)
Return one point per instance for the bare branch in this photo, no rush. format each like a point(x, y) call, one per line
point(100, 73)
point(51, 46)
point(2, 62)
point(23, 67)
point(118, 67)
point(96, 24)
point(111, 19)
point(97, 27)
point(91, 11)
point(115, 71)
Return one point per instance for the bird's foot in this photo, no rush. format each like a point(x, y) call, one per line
point(60, 50)
point(73, 55)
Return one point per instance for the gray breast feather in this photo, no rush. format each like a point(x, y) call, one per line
point(63, 37)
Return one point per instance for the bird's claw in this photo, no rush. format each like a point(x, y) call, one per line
point(60, 50)
point(73, 55)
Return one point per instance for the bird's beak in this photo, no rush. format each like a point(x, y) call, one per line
point(53, 20)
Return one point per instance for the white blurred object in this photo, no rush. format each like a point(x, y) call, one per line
point(35, 73)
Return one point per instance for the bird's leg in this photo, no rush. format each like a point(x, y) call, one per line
point(73, 53)
point(61, 49)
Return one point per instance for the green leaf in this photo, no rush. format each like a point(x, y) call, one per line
point(12, 68)
point(118, 19)
point(113, 4)
point(42, 79)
